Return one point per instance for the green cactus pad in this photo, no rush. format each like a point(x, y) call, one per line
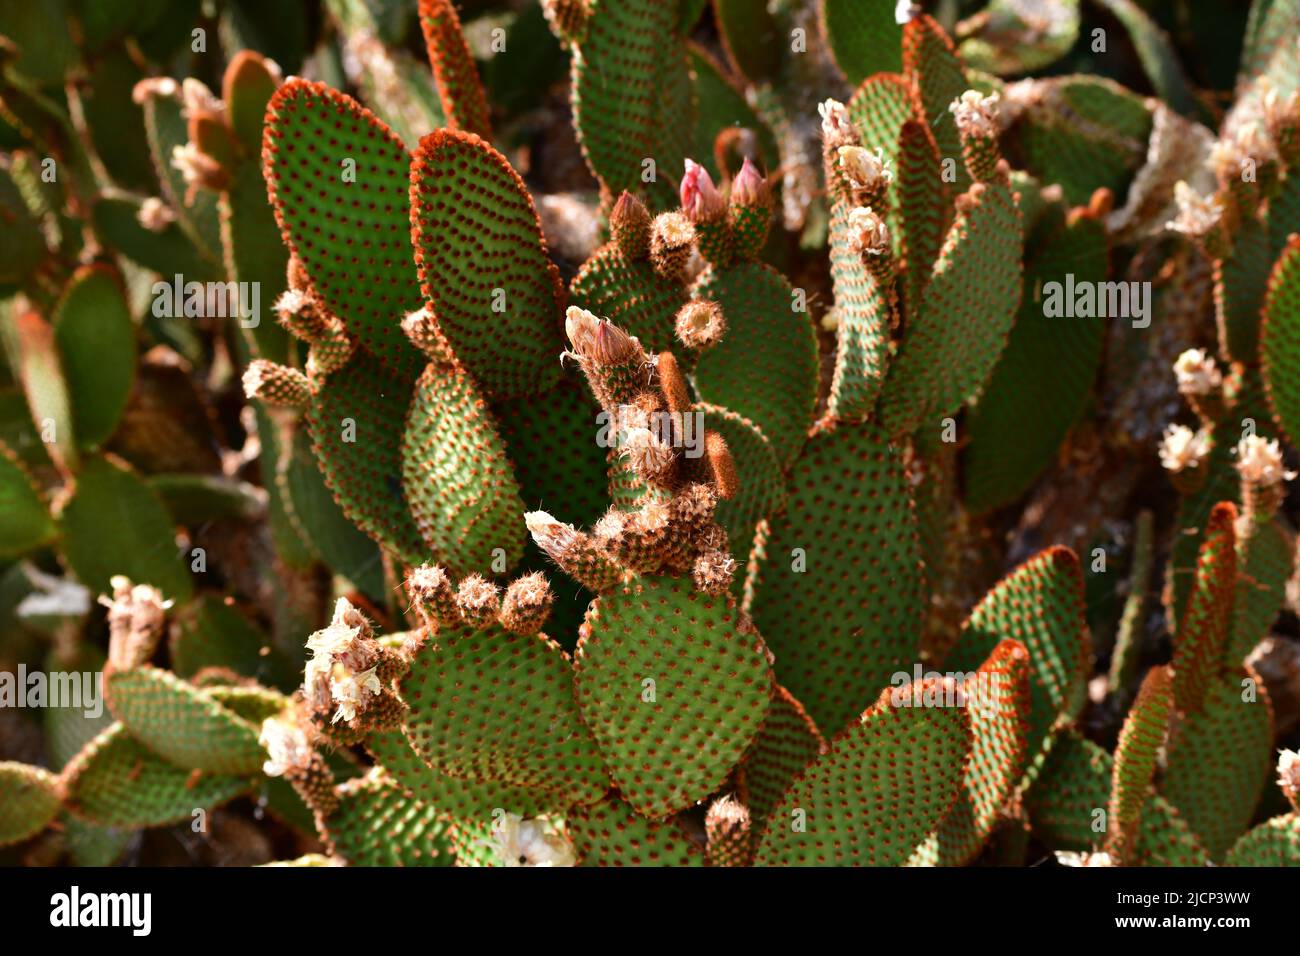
point(1265, 560)
point(551, 442)
point(611, 833)
point(39, 370)
point(998, 702)
point(96, 340)
point(886, 782)
point(862, 332)
point(632, 295)
point(169, 252)
point(459, 88)
point(180, 724)
point(362, 464)
point(352, 235)
point(116, 781)
point(674, 685)
point(1043, 381)
point(490, 705)
point(1041, 605)
point(29, 801)
point(787, 742)
point(1219, 761)
point(1241, 282)
point(765, 367)
point(315, 515)
point(1221, 483)
point(25, 522)
point(1085, 133)
point(115, 524)
point(254, 253)
point(631, 95)
point(879, 108)
point(762, 489)
point(1203, 632)
point(931, 61)
point(210, 632)
point(864, 37)
point(849, 522)
point(923, 208)
point(458, 481)
point(1067, 806)
point(970, 303)
point(1006, 45)
point(482, 261)
point(376, 824)
point(455, 797)
point(1136, 756)
point(1156, 53)
point(1274, 842)
point(1280, 341)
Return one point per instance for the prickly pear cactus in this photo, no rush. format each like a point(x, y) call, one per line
point(629, 438)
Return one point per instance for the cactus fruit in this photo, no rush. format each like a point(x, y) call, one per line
point(608, 433)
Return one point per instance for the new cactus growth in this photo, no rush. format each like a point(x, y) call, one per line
point(706, 454)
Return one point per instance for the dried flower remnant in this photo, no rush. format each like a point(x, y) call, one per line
point(530, 842)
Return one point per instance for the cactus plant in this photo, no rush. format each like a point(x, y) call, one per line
point(872, 452)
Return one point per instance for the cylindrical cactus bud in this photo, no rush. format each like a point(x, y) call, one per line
point(1181, 453)
point(430, 590)
point(749, 211)
point(867, 174)
point(479, 601)
point(869, 234)
point(1245, 162)
point(527, 604)
point(1263, 479)
point(1282, 120)
point(295, 275)
point(613, 361)
point(331, 350)
point(198, 170)
point(422, 329)
point(629, 226)
point(651, 457)
point(1202, 219)
point(704, 206)
point(155, 215)
point(645, 541)
point(575, 553)
point(837, 129)
point(136, 615)
point(976, 116)
point(727, 826)
point(701, 201)
point(713, 572)
point(568, 18)
point(298, 315)
point(694, 507)
point(722, 467)
point(277, 385)
point(288, 739)
point(674, 391)
point(1288, 777)
point(699, 325)
point(672, 237)
point(1201, 383)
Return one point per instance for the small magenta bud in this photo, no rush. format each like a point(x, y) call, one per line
point(701, 200)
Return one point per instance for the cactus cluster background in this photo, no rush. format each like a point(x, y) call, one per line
point(649, 432)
